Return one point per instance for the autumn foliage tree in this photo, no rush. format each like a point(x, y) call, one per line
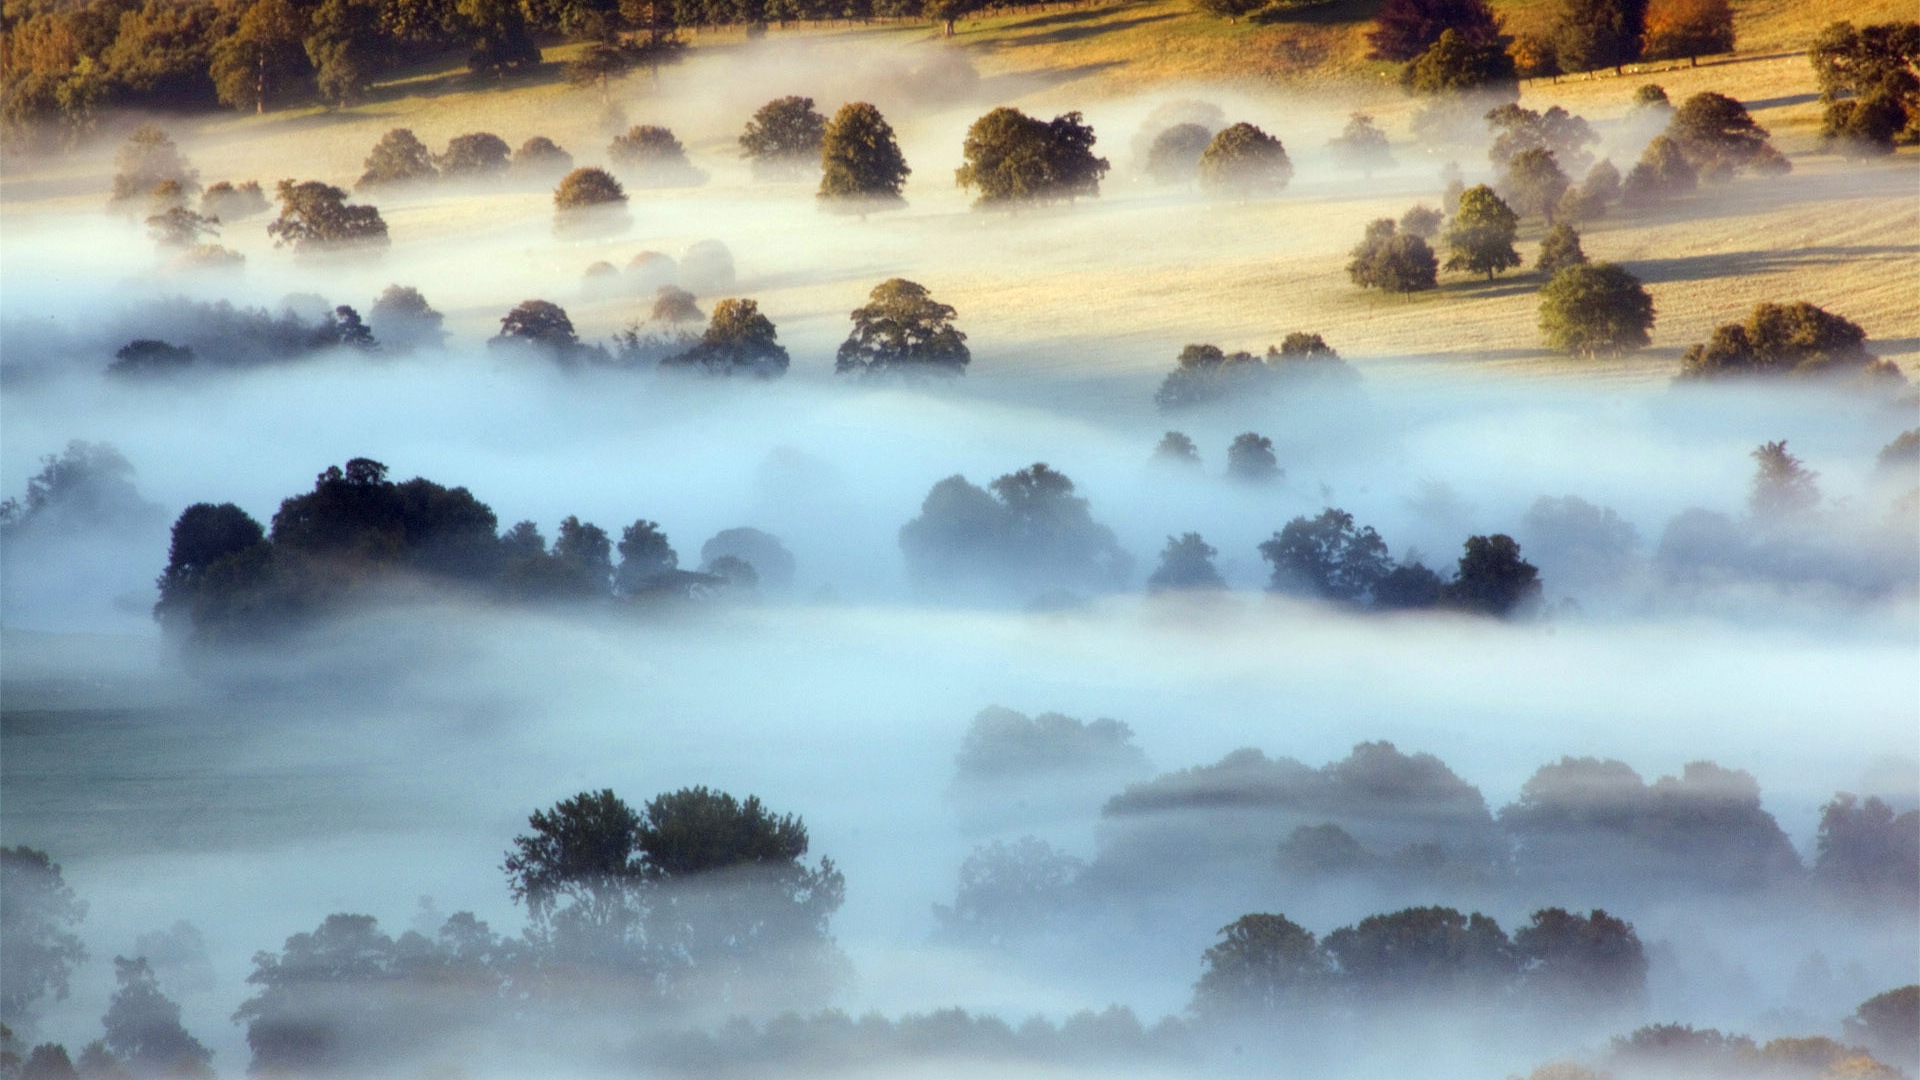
point(1688, 29)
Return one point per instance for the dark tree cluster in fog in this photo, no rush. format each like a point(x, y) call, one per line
point(1206, 375)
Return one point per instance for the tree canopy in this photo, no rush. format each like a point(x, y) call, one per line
point(1595, 309)
point(902, 330)
point(1479, 235)
point(784, 137)
point(1012, 159)
point(861, 167)
point(1242, 161)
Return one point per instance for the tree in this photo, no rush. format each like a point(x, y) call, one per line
point(1187, 563)
point(143, 1028)
point(1455, 64)
point(647, 558)
point(584, 554)
point(502, 43)
point(233, 202)
point(1362, 146)
point(1264, 967)
point(1242, 161)
point(1592, 34)
point(1559, 250)
point(316, 217)
point(541, 155)
point(37, 946)
point(1784, 489)
point(654, 157)
point(1595, 309)
point(181, 228)
point(1479, 237)
point(1662, 173)
point(738, 341)
point(1533, 184)
point(1012, 158)
point(576, 870)
point(1687, 28)
point(1009, 892)
point(1797, 339)
point(148, 159)
point(1579, 962)
point(1517, 130)
point(1175, 448)
point(1870, 84)
point(1403, 29)
point(398, 158)
point(1719, 138)
point(1868, 850)
point(1250, 458)
point(784, 137)
point(763, 551)
point(1031, 532)
point(861, 167)
point(1887, 1024)
point(261, 58)
point(402, 319)
point(48, 1061)
point(1393, 261)
point(902, 330)
point(347, 48)
point(1174, 155)
point(1431, 951)
point(477, 155)
point(208, 542)
point(1588, 201)
point(1410, 586)
point(1327, 558)
point(539, 323)
point(1494, 580)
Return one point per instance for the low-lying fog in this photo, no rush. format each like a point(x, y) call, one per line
point(384, 763)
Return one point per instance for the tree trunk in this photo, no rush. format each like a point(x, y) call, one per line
point(949, 32)
point(260, 85)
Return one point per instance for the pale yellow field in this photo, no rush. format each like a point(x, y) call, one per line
point(1107, 287)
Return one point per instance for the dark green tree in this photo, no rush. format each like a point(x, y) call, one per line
point(1242, 161)
point(1455, 64)
point(1326, 557)
point(1479, 237)
point(647, 559)
point(1662, 173)
point(474, 156)
point(1392, 260)
point(264, 58)
point(502, 42)
point(1186, 563)
point(1533, 184)
point(1587, 963)
point(541, 324)
point(861, 167)
point(1423, 952)
point(1012, 158)
point(1264, 967)
point(1720, 138)
point(903, 330)
point(1494, 580)
point(1870, 85)
point(783, 138)
point(1783, 339)
point(347, 48)
point(208, 543)
point(1595, 309)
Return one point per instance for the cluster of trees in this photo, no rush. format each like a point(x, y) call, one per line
point(1584, 35)
point(1267, 969)
point(401, 159)
point(86, 486)
point(188, 335)
point(1012, 158)
point(1027, 531)
point(1796, 339)
point(1886, 1024)
point(358, 536)
point(1870, 84)
point(1017, 770)
point(1250, 459)
point(1205, 375)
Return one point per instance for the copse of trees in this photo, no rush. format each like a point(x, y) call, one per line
point(1393, 260)
point(1027, 532)
point(1331, 559)
point(1456, 64)
point(1013, 159)
point(1594, 309)
point(1267, 968)
point(1798, 339)
point(739, 340)
point(1517, 130)
point(476, 155)
point(861, 167)
point(1719, 138)
point(1589, 35)
point(316, 218)
point(1205, 375)
point(903, 330)
point(784, 138)
point(1869, 85)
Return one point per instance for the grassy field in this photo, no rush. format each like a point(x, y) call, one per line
point(1117, 285)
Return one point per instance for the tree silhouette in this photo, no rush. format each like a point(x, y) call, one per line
point(902, 330)
point(1187, 563)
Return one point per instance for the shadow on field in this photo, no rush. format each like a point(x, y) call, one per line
point(1073, 33)
point(1743, 263)
point(1781, 102)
